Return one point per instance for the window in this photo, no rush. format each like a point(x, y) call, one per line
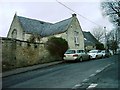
point(14, 34)
point(70, 52)
point(76, 40)
point(79, 51)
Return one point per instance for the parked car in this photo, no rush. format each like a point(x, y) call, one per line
point(111, 52)
point(76, 54)
point(106, 53)
point(95, 54)
point(118, 51)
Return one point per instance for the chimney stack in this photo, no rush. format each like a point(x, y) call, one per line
point(74, 15)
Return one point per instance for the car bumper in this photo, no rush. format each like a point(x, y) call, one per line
point(92, 57)
point(70, 58)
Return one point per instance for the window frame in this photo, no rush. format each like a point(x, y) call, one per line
point(14, 33)
point(76, 38)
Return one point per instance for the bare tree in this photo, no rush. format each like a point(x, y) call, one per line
point(112, 35)
point(98, 33)
point(111, 8)
point(112, 40)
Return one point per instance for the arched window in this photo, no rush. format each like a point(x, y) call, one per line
point(14, 34)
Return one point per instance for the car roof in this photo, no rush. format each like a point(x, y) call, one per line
point(93, 50)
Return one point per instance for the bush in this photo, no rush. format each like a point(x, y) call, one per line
point(57, 46)
point(100, 46)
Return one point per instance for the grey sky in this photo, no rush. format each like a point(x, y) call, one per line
point(52, 12)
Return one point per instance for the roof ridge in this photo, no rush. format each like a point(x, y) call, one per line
point(44, 21)
point(63, 20)
point(44, 28)
point(34, 19)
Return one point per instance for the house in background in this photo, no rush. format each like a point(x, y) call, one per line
point(32, 30)
point(90, 41)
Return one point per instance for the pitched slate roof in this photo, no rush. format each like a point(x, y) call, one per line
point(33, 26)
point(57, 28)
point(46, 29)
point(43, 28)
point(86, 42)
point(90, 39)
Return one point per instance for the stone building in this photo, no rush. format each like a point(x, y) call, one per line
point(32, 30)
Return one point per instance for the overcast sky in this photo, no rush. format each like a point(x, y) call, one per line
point(52, 12)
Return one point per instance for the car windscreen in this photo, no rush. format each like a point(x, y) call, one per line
point(103, 51)
point(70, 52)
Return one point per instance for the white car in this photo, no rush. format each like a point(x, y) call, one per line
point(76, 54)
point(95, 54)
point(106, 53)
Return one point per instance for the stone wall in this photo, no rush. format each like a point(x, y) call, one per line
point(16, 53)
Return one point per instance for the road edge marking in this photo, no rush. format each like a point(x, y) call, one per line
point(91, 86)
point(77, 86)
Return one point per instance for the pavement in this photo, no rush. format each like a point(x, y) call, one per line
point(29, 68)
point(109, 78)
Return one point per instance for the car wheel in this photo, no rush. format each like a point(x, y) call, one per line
point(81, 59)
point(102, 56)
point(89, 57)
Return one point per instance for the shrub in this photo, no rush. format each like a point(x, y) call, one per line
point(100, 46)
point(57, 46)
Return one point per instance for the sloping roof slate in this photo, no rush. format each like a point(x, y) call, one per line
point(89, 43)
point(32, 25)
point(43, 28)
point(56, 28)
point(90, 38)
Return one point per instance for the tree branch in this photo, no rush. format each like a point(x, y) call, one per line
point(111, 5)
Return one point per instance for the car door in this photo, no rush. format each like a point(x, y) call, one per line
point(99, 54)
point(83, 54)
point(86, 55)
point(80, 53)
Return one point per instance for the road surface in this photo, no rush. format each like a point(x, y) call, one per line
point(65, 75)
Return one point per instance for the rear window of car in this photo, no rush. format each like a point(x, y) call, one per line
point(93, 51)
point(103, 51)
point(80, 51)
point(70, 52)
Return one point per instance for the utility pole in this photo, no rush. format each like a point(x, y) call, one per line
point(118, 36)
point(105, 39)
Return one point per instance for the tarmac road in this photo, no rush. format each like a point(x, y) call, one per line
point(65, 75)
point(107, 79)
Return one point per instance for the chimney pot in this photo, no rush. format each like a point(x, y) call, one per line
point(74, 15)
